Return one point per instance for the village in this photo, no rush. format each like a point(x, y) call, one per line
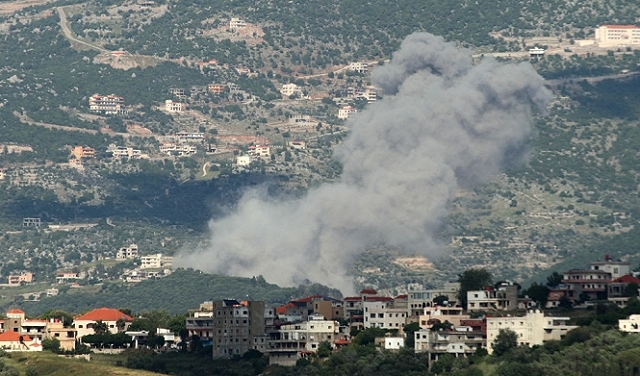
point(432, 321)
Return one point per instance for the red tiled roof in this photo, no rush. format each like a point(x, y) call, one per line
point(405, 296)
point(342, 342)
point(15, 310)
point(352, 298)
point(368, 291)
point(104, 314)
point(281, 310)
point(621, 26)
point(627, 279)
point(13, 337)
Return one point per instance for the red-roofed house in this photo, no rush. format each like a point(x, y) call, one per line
point(84, 323)
point(12, 341)
point(618, 287)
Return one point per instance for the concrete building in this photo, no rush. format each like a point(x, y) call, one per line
point(156, 261)
point(200, 323)
point(536, 52)
point(107, 104)
point(171, 106)
point(67, 336)
point(18, 279)
point(243, 160)
point(84, 323)
point(503, 298)
point(617, 269)
point(393, 343)
point(359, 66)
point(237, 23)
point(630, 325)
point(186, 136)
point(589, 284)
point(259, 151)
point(235, 325)
point(435, 315)
point(298, 340)
point(461, 342)
point(127, 252)
point(346, 111)
point(216, 88)
point(380, 312)
point(617, 35)
point(532, 329)
point(124, 152)
point(298, 144)
point(65, 277)
point(80, 152)
point(288, 90)
point(419, 298)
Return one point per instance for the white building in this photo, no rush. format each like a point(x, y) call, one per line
point(629, 325)
point(259, 151)
point(379, 312)
point(617, 269)
point(123, 151)
point(617, 35)
point(393, 343)
point(112, 317)
point(290, 89)
point(460, 342)
point(536, 52)
point(297, 340)
point(243, 160)
point(346, 111)
point(237, 23)
point(359, 66)
point(532, 329)
point(107, 104)
point(503, 298)
point(432, 315)
point(127, 252)
point(171, 106)
point(156, 261)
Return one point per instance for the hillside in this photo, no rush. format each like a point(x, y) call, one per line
point(574, 201)
point(184, 289)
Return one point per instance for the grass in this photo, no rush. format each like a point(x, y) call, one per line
point(50, 364)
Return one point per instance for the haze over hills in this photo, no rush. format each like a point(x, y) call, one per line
point(574, 201)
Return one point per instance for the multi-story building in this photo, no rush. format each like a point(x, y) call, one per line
point(64, 277)
point(17, 279)
point(617, 269)
point(80, 152)
point(359, 66)
point(216, 88)
point(502, 298)
point(67, 336)
point(171, 106)
point(200, 323)
point(237, 23)
point(260, 151)
point(107, 104)
point(617, 35)
point(235, 325)
point(186, 136)
point(532, 329)
point(419, 299)
point(346, 111)
point(124, 152)
point(434, 315)
point(156, 261)
point(380, 312)
point(297, 340)
point(589, 284)
point(84, 324)
point(127, 252)
point(461, 342)
point(290, 89)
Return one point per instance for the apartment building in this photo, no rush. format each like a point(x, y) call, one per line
point(259, 151)
point(107, 104)
point(617, 35)
point(532, 329)
point(290, 89)
point(127, 252)
point(216, 88)
point(437, 314)
point(17, 279)
point(380, 312)
point(298, 340)
point(80, 152)
point(235, 324)
point(172, 106)
point(124, 152)
point(419, 298)
point(460, 342)
point(157, 261)
point(200, 323)
point(502, 298)
point(346, 111)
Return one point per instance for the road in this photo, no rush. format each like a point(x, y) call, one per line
point(66, 30)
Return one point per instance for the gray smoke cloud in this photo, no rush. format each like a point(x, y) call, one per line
point(444, 123)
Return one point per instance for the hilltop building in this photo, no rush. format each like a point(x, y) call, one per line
point(617, 35)
point(107, 104)
point(127, 252)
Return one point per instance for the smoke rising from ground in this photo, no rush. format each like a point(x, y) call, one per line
point(444, 123)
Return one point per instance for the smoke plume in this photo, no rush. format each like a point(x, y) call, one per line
point(444, 123)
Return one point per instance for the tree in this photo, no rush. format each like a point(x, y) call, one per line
point(440, 300)
point(324, 349)
point(51, 344)
point(472, 279)
point(506, 340)
point(554, 279)
point(121, 324)
point(409, 332)
point(539, 293)
point(631, 290)
point(100, 327)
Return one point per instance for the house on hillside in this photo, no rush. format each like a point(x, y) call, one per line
point(84, 323)
point(12, 341)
